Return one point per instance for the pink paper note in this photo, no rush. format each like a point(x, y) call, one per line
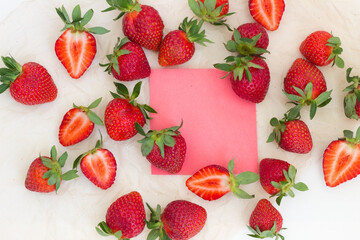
point(217, 125)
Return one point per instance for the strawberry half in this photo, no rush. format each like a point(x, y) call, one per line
point(267, 12)
point(341, 159)
point(76, 47)
point(78, 123)
point(214, 181)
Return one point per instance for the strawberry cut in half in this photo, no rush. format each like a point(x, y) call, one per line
point(341, 159)
point(213, 182)
point(267, 12)
point(76, 47)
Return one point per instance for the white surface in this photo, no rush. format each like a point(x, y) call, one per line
point(29, 34)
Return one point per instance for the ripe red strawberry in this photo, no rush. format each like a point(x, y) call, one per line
point(125, 218)
point(250, 30)
point(265, 221)
point(142, 24)
point(78, 123)
point(249, 77)
point(123, 111)
point(321, 48)
point(128, 61)
point(180, 220)
point(165, 149)
point(178, 46)
point(76, 47)
point(45, 174)
point(29, 84)
point(267, 12)
point(277, 177)
point(341, 159)
point(214, 181)
point(305, 85)
point(291, 134)
point(351, 100)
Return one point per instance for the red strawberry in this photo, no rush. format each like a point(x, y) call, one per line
point(178, 46)
point(128, 61)
point(277, 177)
point(165, 149)
point(250, 30)
point(78, 124)
point(305, 85)
point(351, 100)
point(214, 181)
point(249, 77)
point(45, 174)
point(265, 221)
point(123, 111)
point(29, 84)
point(125, 218)
point(142, 24)
point(292, 135)
point(76, 47)
point(180, 220)
point(267, 12)
point(321, 48)
point(98, 165)
point(341, 159)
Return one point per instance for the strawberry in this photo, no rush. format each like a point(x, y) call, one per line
point(45, 174)
point(321, 48)
point(250, 30)
point(265, 221)
point(267, 12)
point(351, 100)
point(98, 165)
point(180, 219)
point(78, 124)
point(29, 84)
point(249, 77)
point(277, 177)
point(214, 181)
point(341, 159)
point(128, 61)
point(305, 85)
point(76, 47)
point(178, 46)
point(291, 134)
point(123, 111)
point(165, 149)
point(142, 24)
point(125, 218)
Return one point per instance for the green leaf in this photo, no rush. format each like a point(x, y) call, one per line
point(224, 67)
point(103, 229)
point(271, 137)
point(87, 17)
point(357, 134)
point(153, 235)
point(78, 159)
point(122, 89)
point(95, 103)
point(76, 14)
point(139, 129)
point(47, 174)
point(274, 122)
point(210, 5)
point(98, 30)
point(136, 90)
point(231, 165)
point(53, 153)
point(247, 177)
point(52, 179)
point(300, 91)
point(276, 185)
point(147, 146)
point(4, 87)
point(292, 172)
point(46, 162)
point(69, 175)
point(160, 143)
point(295, 111)
point(62, 159)
point(95, 118)
point(291, 193)
point(301, 186)
point(242, 194)
point(292, 97)
point(339, 62)
point(118, 234)
point(194, 6)
point(348, 134)
point(313, 109)
point(169, 141)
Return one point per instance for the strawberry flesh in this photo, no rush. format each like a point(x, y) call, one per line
point(267, 12)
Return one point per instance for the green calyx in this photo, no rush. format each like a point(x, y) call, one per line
point(104, 230)
point(92, 116)
point(54, 174)
point(124, 6)
point(123, 92)
point(78, 22)
point(155, 224)
point(98, 145)
point(353, 95)
point(113, 58)
point(266, 234)
point(192, 30)
point(279, 127)
point(305, 99)
point(349, 137)
point(9, 73)
point(285, 187)
point(335, 43)
point(161, 138)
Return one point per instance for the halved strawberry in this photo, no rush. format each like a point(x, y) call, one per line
point(214, 181)
point(341, 159)
point(267, 12)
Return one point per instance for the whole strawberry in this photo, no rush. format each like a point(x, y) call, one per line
point(78, 123)
point(29, 84)
point(128, 61)
point(180, 220)
point(142, 24)
point(292, 135)
point(351, 100)
point(123, 111)
point(165, 149)
point(250, 30)
point(178, 46)
point(267, 12)
point(265, 221)
point(125, 218)
point(76, 47)
point(277, 177)
point(45, 174)
point(321, 48)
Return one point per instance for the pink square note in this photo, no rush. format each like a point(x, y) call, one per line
point(217, 125)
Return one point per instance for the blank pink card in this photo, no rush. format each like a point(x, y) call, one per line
point(217, 124)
